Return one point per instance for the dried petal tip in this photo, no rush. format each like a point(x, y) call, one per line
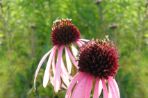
point(64, 32)
point(99, 58)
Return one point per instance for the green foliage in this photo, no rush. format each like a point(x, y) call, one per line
point(25, 27)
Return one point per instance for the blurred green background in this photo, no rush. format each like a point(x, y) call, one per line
point(25, 27)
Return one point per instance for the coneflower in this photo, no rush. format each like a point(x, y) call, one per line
point(65, 35)
point(98, 65)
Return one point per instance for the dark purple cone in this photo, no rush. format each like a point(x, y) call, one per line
point(64, 32)
point(98, 58)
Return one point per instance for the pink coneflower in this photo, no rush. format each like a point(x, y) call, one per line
point(98, 64)
point(65, 36)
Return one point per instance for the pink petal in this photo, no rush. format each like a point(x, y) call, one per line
point(57, 80)
point(72, 57)
point(85, 40)
point(53, 65)
point(76, 78)
point(109, 92)
point(64, 69)
point(69, 65)
point(64, 74)
point(98, 88)
point(82, 42)
point(40, 64)
point(79, 90)
point(65, 80)
point(96, 94)
point(78, 43)
point(63, 86)
point(74, 50)
point(88, 86)
point(114, 84)
point(112, 89)
point(47, 74)
point(116, 87)
point(105, 92)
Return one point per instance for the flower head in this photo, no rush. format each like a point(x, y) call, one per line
point(64, 32)
point(64, 36)
point(98, 58)
point(98, 64)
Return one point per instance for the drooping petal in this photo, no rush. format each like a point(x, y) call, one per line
point(85, 40)
point(105, 92)
point(110, 92)
point(74, 50)
point(40, 64)
point(53, 65)
point(64, 68)
point(82, 42)
point(76, 78)
point(114, 83)
point(112, 89)
point(79, 90)
point(47, 74)
point(65, 80)
point(63, 86)
point(69, 64)
point(72, 58)
point(116, 87)
point(79, 44)
point(96, 92)
point(57, 79)
point(64, 74)
point(98, 88)
point(88, 86)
